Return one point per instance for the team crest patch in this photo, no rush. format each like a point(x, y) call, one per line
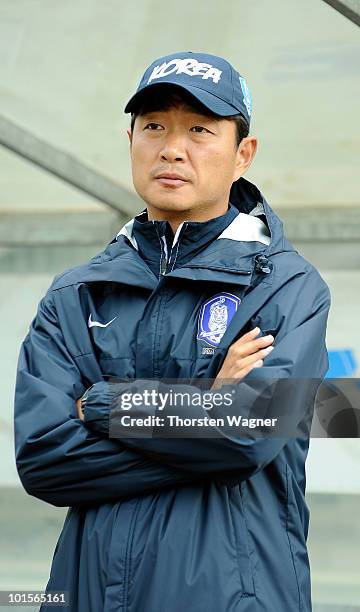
point(215, 316)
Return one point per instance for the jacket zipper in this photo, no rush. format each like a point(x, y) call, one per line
point(163, 256)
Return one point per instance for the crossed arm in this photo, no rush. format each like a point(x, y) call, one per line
point(246, 353)
point(66, 461)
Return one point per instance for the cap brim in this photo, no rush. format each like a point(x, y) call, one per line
point(212, 102)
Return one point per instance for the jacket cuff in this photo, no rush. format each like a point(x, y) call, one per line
point(99, 401)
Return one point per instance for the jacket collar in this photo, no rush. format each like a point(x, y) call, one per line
point(161, 249)
point(194, 242)
point(240, 248)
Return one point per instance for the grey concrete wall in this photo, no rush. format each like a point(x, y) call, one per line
point(68, 69)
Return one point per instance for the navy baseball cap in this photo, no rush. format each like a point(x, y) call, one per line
point(211, 79)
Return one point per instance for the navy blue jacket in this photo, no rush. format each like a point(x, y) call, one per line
point(215, 524)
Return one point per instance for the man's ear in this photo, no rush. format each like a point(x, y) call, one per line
point(245, 155)
point(129, 133)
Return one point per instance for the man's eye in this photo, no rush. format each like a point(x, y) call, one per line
point(147, 125)
point(152, 129)
point(199, 126)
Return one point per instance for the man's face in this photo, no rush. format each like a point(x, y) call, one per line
point(200, 149)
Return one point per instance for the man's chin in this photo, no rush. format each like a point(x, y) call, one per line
point(171, 206)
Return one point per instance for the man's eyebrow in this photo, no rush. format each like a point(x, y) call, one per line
point(208, 117)
point(153, 112)
point(200, 115)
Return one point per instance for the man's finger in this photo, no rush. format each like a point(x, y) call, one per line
point(258, 355)
point(251, 346)
point(248, 336)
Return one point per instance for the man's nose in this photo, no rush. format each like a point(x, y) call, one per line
point(173, 149)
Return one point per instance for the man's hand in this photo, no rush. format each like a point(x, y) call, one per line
point(244, 355)
point(79, 411)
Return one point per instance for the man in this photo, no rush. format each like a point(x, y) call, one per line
point(200, 286)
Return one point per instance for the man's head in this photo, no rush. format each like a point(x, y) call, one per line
point(173, 131)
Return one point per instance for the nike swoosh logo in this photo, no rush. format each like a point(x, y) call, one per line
point(97, 324)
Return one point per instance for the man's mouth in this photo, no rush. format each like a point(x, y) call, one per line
point(171, 179)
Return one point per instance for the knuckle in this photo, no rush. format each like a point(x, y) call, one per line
point(236, 351)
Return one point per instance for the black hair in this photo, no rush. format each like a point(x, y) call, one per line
point(165, 96)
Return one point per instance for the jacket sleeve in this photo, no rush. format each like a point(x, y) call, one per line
point(59, 460)
point(298, 313)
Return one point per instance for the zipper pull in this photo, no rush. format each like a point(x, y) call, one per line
point(262, 264)
point(164, 259)
point(163, 265)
